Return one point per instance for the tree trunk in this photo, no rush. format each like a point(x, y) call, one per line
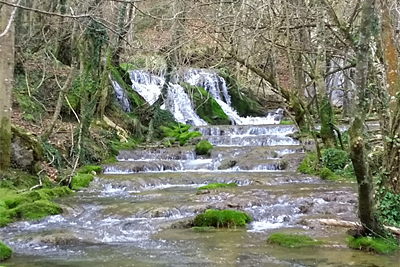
point(325, 108)
point(6, 82)
point(358, 152)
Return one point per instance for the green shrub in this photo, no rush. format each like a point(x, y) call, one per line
point(335, 159)
point(203, 147)
point(221, 218)
point(389, 208)
point(215, 185)
point(369, 244)
point(5, 252)
point(81, 180)
point(292, 240)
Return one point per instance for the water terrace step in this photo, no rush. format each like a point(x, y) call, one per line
point(254, 152)
point(173, 153)
point(271, 129)
point(251, 140)
point(128, 167)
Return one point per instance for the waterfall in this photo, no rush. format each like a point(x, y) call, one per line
point(178, 102)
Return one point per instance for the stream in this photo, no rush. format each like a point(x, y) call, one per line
point(132, 214)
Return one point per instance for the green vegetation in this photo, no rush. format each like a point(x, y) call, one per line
point(30, 205)
point(5, 252)
point(285, 122)
point(221, 218)
point(335, 159)
point(179, 132)
point(80, 180)
point(389, 208)
point(203, 147)
point(293, 240)
point(370, 244)
point(89, 169)
point(327, 174)
point(206, 107)
point(215, 186)
point(309, 165)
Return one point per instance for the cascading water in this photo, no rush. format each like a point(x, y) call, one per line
point(149, 87)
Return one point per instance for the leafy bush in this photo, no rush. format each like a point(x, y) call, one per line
point(389, 208)
point(292, 240)
point(203, 147)
point(369, 244)
point(335, 159)
point(221, 218)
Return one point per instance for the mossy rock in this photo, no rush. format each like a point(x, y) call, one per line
point(37, 210)
point(309, 165)
point(203, 147)
point(206, 107)
point(327, 174)
point(29, 205)
point(5, 252)
point(179, 132)
point(81, 180)
point(212, 186)
point(293, 240)
point(226, 164)
point(370, 244)
point(245, 103)
point(221, 218)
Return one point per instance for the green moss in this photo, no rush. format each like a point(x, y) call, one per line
point(292, 240)
point(29, 205)
point(203, 147)
point(221, 218)
point(81, 180)
point(37, 210)
point(327, 174)
point(244, 102)
point(285, 122)
point(16, 179)
point(5, 252)
point(215, 185)
point(206, 107)
point(309, 165)
point(180, 132)
point(89, 169)
point(378, 245)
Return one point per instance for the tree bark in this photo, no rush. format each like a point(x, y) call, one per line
point(6, 82)
point(358, 155)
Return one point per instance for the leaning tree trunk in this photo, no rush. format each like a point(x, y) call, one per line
point(358, 154)
point(6, 82)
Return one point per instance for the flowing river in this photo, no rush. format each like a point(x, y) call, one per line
point(132, 214)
